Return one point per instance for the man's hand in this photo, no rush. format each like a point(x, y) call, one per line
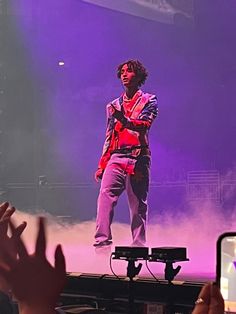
point(118, 114)
point(98, 175)
point(34, 282)
point(210, 301)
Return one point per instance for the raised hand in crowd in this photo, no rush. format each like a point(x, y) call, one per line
point(34, 282)
point(210, 300)
point(7, 242)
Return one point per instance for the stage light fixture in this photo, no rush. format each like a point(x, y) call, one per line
point(129, 252)
point(166, 253)
point(169, 255)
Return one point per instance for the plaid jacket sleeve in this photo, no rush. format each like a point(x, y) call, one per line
point(146, 116)
point(106, 151)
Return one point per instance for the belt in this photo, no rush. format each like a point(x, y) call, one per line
point(128, 150)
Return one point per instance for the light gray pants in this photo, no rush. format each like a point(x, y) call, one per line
point(115, 180)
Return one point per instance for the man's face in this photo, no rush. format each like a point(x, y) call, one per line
point(128, 77)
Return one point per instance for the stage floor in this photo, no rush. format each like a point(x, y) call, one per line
point(81, 257)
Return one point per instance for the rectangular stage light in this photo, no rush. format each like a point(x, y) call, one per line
point(169, 254)
point(164, 11)
point(126, 252)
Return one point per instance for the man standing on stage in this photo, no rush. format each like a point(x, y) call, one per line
point(125, 160)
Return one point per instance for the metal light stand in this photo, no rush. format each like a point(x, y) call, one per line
point(131, 255)
point(170, 273)
point(132, 271)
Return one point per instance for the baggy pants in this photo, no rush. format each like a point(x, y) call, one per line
point(117, 178)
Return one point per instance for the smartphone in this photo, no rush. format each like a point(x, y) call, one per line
point(226, 269)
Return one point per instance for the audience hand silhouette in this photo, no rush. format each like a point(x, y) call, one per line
point(6, 242)
point(34, 282)
point(210, 300)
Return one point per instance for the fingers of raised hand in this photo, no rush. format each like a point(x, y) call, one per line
point(19, 244)
point(6, 212)
point(3, 208)
point(18, 230)
point(9, 212)
point(40, 249)
point(60, 262)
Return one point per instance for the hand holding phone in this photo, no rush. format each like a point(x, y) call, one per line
point(226, 269)
point(209, 301)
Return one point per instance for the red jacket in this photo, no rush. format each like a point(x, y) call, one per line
point(140, 113)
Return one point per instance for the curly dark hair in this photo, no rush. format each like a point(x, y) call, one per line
point(137, 67)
